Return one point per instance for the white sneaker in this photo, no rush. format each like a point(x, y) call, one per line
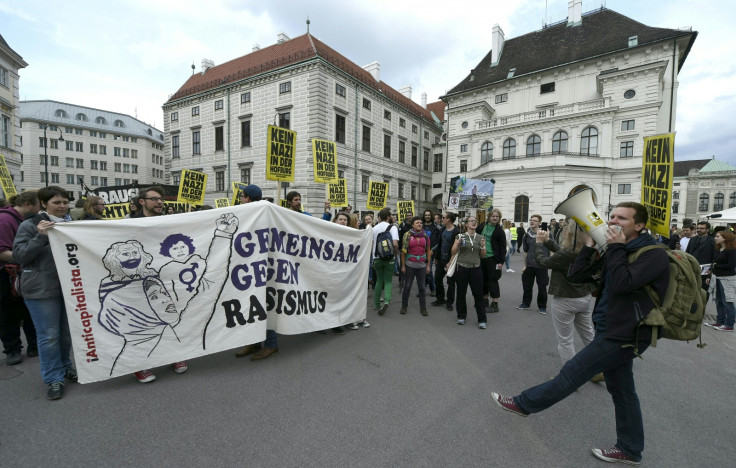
point(366, 324)
point(509, 270)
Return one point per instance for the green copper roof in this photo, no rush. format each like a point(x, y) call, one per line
point(717, 166)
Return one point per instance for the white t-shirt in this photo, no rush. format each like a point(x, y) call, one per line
point(379, 228)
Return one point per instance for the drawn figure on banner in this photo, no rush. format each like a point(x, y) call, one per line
point(182, 274)
point(474, 197)
point(143, 325)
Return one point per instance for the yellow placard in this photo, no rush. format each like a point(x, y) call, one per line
point(280, 154)
point(404, 208)
point(377, 195)
point(284, 203)
point(656, 180)
point(6, 180)
point(324, 157)
point(338, 194)
point(192, 187)
point(235, 200)
point(221, 202)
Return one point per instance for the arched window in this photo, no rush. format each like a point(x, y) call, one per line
point(150, 132)
point(559, 142)
point(704, 201)
point(675, 207)
point(718, 202)
point(509, 148)
point(533, 145)
point(82, 117)
point(101, 120)
point(521, 209)
point(486, 153)
point(589, 141)
point(119, 123)
point(732, 200)
point(61, 113)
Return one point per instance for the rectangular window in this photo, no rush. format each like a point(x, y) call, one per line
point(103, 149)
point(93, 164)
point(126, 168)
point(387, 115)
point(195, 143)
point(54, 161)
point(5, 139)
point(245, 98)
point(69, 162)
point(103, 165)
point(438, 162)
point(174, 116)
point(364, 183)
point(414, 155)
point(245, 133)
point(366, 104)
point(118, 167)
point(219, 138)
point(126, 153)
point(175, 146)
point(218, 104)
point(387, 146)
point(175, 178)
point(627, 125)
point(413, 192)
point(285, 120)
point(41, 142)
point(245, 175)
point(68, 129)
point(366, 138)
point(627, 149)
point(624, 189)
point(70, 178)
point(464, 148)
point(80, 163)
point(285, 87)
point(103, 135)
point(339, 89)
point(220, 181)
point(426, 135)
point(402, 122)
point(502, 98)
point(339, 128)
point(80, 147)
point(402, 151)
point(43, 176)
point(116, 151)
point(54, 144)
point(426, 160)
point(414, 129)
point(547, 88)
point(70, 146)
point(92, 134)
point(103, 181)
point(134, 154)
point(134, 168)
point(78, 131)
point(94, 180)
point(401, 190)
point(42, 160)
point(93, 148)
point(118, 181)
point(4, 77)
point(463, 165)
point(195, 111)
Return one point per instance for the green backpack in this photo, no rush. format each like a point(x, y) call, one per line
point(680, 312)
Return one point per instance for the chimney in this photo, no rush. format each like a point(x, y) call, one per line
point(575, 12)
point(207, 64)
point(424, 100)
point(497, 39)
point(406, 91)
point(281, 38)
point(256, 47)
point(374, 69)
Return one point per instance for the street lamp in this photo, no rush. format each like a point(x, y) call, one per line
point(46, 152)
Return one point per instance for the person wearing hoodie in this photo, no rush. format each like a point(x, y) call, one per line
point(620, 305)
point(13, 311)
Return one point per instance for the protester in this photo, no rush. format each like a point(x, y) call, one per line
point(724, 270)
point(41, 289)
point(78, 211)
point(404, 227)
point(94, 208)
point(532, 272)
point(433, 234)
point(612, 350)
point(492, 263)
point(13, 311)
point(294, 200)
point(520, 232)
point(514, 237)
point(367, 221)
point(703, 248)
point(470, 248)
point(570, 301)
point(134, 208)
point(509, 246)
point(383, 267)
point(686, 234)
point(443, 255)
point(416, 255)
point(170, 210)
point(151, 200)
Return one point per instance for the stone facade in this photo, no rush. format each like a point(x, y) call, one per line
point(10, 141)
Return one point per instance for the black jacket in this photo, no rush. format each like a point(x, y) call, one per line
point(498, 242)
point(438, 252)
point(703, 248)
point(623, 301)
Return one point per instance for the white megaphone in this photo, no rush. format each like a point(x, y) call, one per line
point(581, 209)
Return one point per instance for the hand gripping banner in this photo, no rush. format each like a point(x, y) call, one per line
point(145, 292)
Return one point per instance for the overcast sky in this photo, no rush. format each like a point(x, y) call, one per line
point(129, 56)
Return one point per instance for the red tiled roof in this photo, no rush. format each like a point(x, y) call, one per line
point(289, 52)
point(438, 108)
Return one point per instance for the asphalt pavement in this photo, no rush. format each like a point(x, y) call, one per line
point(409, 391)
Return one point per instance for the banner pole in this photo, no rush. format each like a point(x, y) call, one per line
point(278, 193)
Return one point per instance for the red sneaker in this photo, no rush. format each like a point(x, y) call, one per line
point(723, 328)
point(614, 455)
point(145, 376)
point(507, 403)
point(180, 367)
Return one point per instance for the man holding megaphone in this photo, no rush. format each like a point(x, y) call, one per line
point(619, 307)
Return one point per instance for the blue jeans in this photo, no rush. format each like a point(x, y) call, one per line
point(616, 363)
point(54, 340)
point(726, 312)
point(508, 259)
point(271, 340)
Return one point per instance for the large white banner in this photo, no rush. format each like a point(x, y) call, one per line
point(151, 291)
